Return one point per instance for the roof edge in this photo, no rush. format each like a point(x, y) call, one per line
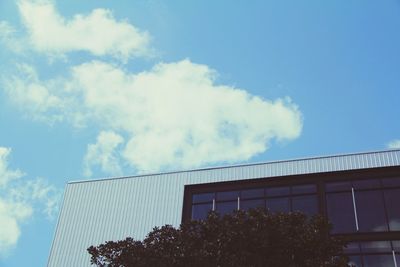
point(235, 166)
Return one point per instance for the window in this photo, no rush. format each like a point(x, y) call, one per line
point(372, 254)
point(305, 204)
point(227, 207)
point(281, 204)
point(200, 211)
point(370, 211)
point(392, 203)
point(341, 212)
point(252, 203)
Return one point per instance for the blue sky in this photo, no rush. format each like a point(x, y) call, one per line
point(93, 89)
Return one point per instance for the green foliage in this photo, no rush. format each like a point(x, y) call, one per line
point(254, 238)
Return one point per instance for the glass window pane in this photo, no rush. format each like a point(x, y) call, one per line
point(392, 201)
point(278, 204)
point(376, 246)
point(370, 211)
point(338, 186)
point(226, 207)
point(306, 204)
point(341, 213)
point(396, 246)
point(390, 182)
point(355, 261)
point(352, 248)
point(252, 193)
point(254, 203)
point(200, 211)
point(366, 184)
point(304, 189)
point(277, 191)
point(227, 195)
point(204, 197)
point(378, 260)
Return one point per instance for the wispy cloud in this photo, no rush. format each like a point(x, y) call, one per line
point(173, 116)
point(97, 33)
point(104, 154)
point(19, 198)
point(394, 144)
point(9, 38)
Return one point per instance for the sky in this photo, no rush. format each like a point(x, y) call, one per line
point(92, 89)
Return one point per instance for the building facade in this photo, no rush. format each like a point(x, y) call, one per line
point(359, 193)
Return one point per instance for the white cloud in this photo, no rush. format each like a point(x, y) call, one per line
point(104, 154)
point(9, 38)
point(98, 32)
point(11, 216)
point(173, 116)
point(394, 144)
point(7, 175)
point(19, 198)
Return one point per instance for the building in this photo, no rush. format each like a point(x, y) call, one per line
point(360, 193)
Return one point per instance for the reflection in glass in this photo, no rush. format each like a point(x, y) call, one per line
point(341, 212)
point(227, 195)
point(378, 260)
point(249, 204)
point(253, 193)
point(392, 202)
point(306, 204)
point(278, 204)
point(396, 246)
point(376, 246)
point(226, 207)
point(370, 211)
point(355, 261)
point(200, 211)
point(351, 248)
point(204, 197)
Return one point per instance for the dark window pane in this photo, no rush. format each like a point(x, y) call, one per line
point(352, 248)
point(341, 212)
point(304, 189)
point(227, 195)
point(226, 207)
point(355, 261)
point(396, 246)
point(200, 211)
point(370, 211)
point(278, 204)
point(390, 182)
point(253, 193)
point(338, 186)
point(204, 197)
point(366, 184)
point(306, 204)
point(376, 246)
point(392, 201)
point(277, 191)
point(378, 260)
point(254, 203)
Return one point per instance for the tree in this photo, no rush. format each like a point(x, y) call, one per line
point(253, 238)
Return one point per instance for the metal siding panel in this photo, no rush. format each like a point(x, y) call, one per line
point(96, 211)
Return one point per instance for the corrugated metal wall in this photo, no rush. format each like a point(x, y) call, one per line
point(112, 209)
